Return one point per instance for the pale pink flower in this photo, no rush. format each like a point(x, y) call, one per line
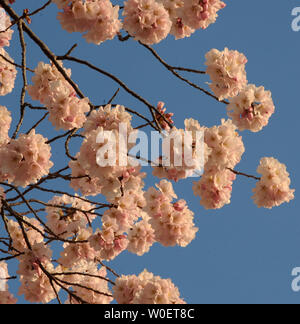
point(67, 215)
point(108, 118)
point(179, 28)
point(6, 36)
point(214, 188)
point(5, 122)
point(35, 284)
point(173, 223)
point(177, 162)
point(251, 109)
point(8, 74)
point(141, 237)
point(75, 252)
point(227, 72)
point(201, 13)
point(98, 18)
point(33, 231)
point(226, 146)
point(66, 111)
point(81, 181)
point(31, 260)
point(114, 179)
point(109, 242)
point(146, 20)
point(92, 278)
point(273, 189)
point(26, 159)
point(44, 76)
point(146, 289)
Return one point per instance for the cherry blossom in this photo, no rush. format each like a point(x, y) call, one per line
point(227, 147)
point(251, 109)
point(6, 36)
point(5, 122)
point(91, 278)
point(67, 221)
point(179, 27)
point(227, 72)
point(214, 188)
point(98, 18)
point(201, 13)
point(146, 20)
point(146, 289)
point(172, 222)
point(33, 230)
point(273, 189)
point(66, 111)
point(8, 74)
point(26, 159)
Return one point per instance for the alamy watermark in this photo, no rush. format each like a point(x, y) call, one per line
point(174, 149)
point(296, 280)
point(2, 279)
point(296, 20)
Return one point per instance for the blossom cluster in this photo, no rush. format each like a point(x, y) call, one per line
point(66, 110)
point(273, 189)
point(25, 160)
point(98, 19)
point(5, 122)
point(184, 152)
point(89, 283)
point(34, 266)
point(8, 73)
point(172, 222)
point(251, 109)
point(67, 215)
point(146, 289)
point(227, 148)
point(148, 21)
point(227, 72)
point(5, 32)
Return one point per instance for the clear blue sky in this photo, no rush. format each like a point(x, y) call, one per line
point(241, 254)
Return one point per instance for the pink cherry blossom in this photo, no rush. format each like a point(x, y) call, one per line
point(67, 215)
point(98, 18)
point(179, 28)
point(66, 111)
point(201, 13)
point(26, 159)
point(8, 74)
point(214, 188)
point(146, 289)
point(6, 36)
point(5, 122)
point(227, 72)
point(172, 222)
point(273, 189)
point(146, 20)
point(251, 109)
point(33, 231)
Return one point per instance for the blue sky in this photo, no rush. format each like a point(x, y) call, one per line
point(242, 254)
